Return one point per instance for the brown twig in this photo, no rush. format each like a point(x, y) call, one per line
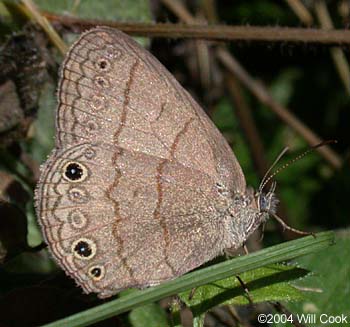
point(209, 8)
point(32, 12)
point(218, 316)
point(180, 10)
point(301, 11)
point(337, 53)
point(280, 308)
point(213, 32)
point(202, 50)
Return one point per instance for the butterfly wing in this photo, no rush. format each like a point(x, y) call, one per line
point(135, 224)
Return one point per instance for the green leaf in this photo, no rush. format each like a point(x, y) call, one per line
point(224, 116)
point(264, 284)
point(198, 321)
point(328, 286)
point(281, 252)
point(283, 86)
point(42, 142)
point(108, 9)
point(151, 315)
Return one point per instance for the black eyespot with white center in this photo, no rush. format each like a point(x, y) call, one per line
point(84, 249)
point(96, 272)
point(74, 172)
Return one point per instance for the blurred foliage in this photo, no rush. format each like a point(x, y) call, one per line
point(138, 10)
point(331, 291)
point(328, 286)
point(300, 76)
point(152, 313)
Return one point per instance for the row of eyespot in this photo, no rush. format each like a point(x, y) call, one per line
point(85, 249)
point(81, 248)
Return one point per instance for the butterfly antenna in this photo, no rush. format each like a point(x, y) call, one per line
point(266, 179)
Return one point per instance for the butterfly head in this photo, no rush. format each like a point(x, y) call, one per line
point(267, 202)
point(248, 211)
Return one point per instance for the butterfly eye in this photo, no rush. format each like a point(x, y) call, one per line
point(75, 172)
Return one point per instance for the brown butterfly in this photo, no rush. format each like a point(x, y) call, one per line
point(141, 187)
